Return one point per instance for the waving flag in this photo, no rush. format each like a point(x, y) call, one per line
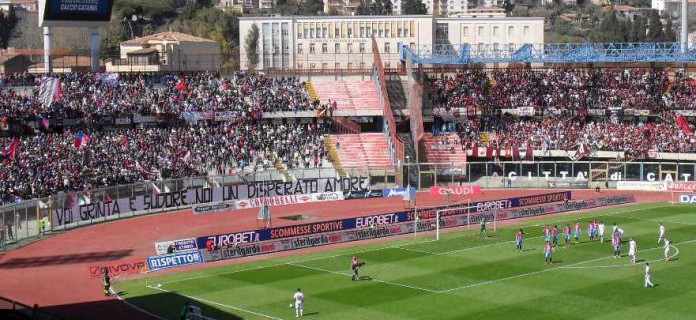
point(50, 90)
point(11, 149)
point(684, 125)
point(81, 140)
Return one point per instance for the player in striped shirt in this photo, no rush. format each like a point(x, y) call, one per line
point(548, 253)
point(577, 232)
point(566, 231)
point(616, 243)
point(547, 234)
point(519, 239)
point(554, 233)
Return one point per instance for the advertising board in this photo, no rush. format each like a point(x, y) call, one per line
point(181, 245)
point(174, 260)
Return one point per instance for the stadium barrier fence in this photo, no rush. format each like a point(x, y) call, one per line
point(16, 310)
point(20, 221)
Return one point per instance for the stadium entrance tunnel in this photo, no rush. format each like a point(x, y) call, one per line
point(299, 217)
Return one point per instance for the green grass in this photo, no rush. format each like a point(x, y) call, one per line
point(458, 277)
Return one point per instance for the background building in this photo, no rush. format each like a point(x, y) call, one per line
point(167, 51)
point(344, 42)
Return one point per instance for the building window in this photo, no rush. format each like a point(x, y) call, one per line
point(369, 32)
point(481, 46)
point(350, 32)
point(387, 33)
point(465, 31)
point(511, 47)
point(362, 32)
point(350, 48)
point(324, 66)
point(511, 30)
point(299, 48)
point(284, 31)
point(324, 48)
point(387, 47)
point(311, 48)
point(387, 64)
point(350, 65)
point(400, 32)
point(311, 66)
point(362, 47)
point(324, 32)
point(362, 65)
point(495, 31)
point(300, 65)
point(495, 47)
point(337, 48)
point(338, 65)
point(311, 33)
point(526, 30)
point(337, 33)
point(480, 33)
point(406, 34)
point(381, 33)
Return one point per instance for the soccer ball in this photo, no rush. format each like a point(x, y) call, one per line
point(291, 305)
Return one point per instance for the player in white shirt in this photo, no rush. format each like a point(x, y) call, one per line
point(666, 250)
point(299, 303)
point(648, 276)
point(662, 234)
point(632, 250)
point(601, 231)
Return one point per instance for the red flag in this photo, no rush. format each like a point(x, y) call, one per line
point(489, 152)
point(515, 154)
point(181, 86)
point(684, 125)
point(59, 91)
point(474, 150)
point(530, 152)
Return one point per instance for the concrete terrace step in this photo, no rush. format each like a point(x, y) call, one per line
point(349, 95)
point(436, 152)
point(366, 149)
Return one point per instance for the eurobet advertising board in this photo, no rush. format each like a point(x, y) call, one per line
point(74, 13)
point(174, 260)
point(360, 222)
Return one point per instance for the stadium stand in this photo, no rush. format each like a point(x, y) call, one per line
point(349, 95)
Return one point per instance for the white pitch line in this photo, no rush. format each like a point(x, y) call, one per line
point(397, 246)
point(371, 279)
point(570, 266)
point(159, 288)
point(658, 220)
point(285, 263)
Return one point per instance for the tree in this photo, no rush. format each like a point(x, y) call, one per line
point(654, 27)
point(669, 34)
point(413, 7)
point(375, 8)
point(311, 7)
point(251, 46)
point(637, 33)
point(7, 24)
point(508, 6)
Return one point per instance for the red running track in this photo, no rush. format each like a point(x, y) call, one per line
point(53, 272)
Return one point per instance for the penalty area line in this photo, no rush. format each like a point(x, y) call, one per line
point(158, 287)
point(371, 279)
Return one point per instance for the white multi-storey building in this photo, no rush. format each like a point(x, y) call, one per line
point(344, 42)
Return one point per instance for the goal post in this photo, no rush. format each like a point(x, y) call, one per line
point(435, 223)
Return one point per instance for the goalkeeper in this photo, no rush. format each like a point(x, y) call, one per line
point(482, 232)
point(355, 264)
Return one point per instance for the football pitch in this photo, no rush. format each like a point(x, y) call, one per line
point(461, 276)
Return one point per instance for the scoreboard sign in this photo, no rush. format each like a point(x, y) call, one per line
point(75, 13)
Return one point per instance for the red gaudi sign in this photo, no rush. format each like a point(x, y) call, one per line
point(118, 268)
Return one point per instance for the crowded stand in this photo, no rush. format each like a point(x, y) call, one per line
point(553, 91)
point(635, 139)
point(89, 94)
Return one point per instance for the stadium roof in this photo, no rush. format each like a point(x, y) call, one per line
point(168, 36)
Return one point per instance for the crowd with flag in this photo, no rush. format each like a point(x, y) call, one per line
point(85, 95)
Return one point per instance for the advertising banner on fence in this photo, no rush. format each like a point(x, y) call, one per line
point(273, 201)
point(681, 186)
point(74, 211)
point(687, 198)
point(211, 208)
point(174, 260)
point(327, 196)
point(392, 227)
point(118, 268)
point(568, 184)
point(641, 185)
point(359, 222)
point(456, 190)
point(181, 245)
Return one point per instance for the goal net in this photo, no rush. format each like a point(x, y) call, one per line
point(458, 215)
